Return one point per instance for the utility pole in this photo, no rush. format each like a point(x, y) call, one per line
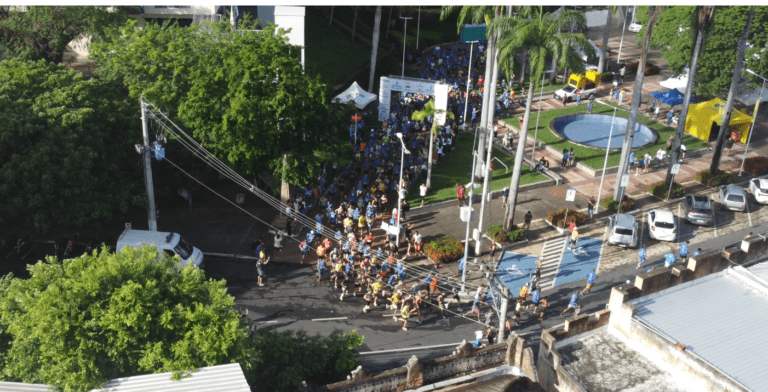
point(503, 311)
point(488, 129)
point(152, 214)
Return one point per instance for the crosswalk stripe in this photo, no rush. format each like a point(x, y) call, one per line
point(552, 253)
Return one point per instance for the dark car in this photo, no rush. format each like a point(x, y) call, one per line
point(699, 210)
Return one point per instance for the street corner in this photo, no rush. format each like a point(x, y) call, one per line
point(577, 262)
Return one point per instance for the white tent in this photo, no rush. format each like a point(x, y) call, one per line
point(679, 82)
point(356, 93)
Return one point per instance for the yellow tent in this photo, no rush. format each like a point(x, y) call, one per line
point(704, 120)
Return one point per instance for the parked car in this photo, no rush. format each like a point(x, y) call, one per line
point(623, 230)
point(662, 225)
point(635, 27)
point(699, 210)
point(732, 197)
point(759, 188)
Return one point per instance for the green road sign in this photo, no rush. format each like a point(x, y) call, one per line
point(473, 33)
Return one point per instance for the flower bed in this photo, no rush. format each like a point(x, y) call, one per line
point(556, 217)
point(756, 166)
point(719, 178)
point(444, 250)
point(497, 233)
point(627, 204)
point(660, 189)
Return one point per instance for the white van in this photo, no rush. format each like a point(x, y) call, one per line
point(170, 243)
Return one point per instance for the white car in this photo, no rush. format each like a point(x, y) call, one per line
point(662, 225)
point(759, 188)
point(635, 27)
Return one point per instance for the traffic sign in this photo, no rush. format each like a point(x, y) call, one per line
point(473, 33)
point(570, 195)
point(675, 168)
point(624, 180)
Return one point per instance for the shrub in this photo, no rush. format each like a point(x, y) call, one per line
point(444, 250)
point(756, 166)
point(556, 217)
point(651, 69)
point(607, 76)
point(496, 232)
point(660, 189)
point(719, 178)
point(627, 204)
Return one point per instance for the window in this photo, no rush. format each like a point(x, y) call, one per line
point(183, 249)
point(621, 231)
point(736, 198)
point(173, 6)
point(665, 225)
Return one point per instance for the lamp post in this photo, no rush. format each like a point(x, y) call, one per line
point(469, 77)
point(538, 114)
point(607, 150)
point(405, 29)
point(623, 29)
point(400, 184)
point(754, 119)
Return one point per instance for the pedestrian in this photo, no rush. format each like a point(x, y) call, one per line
point(669, 117)
point(535, 297)
point(578, 97)
point(405, 312)
point(521, 122)
point(590, 104)
point(728, 146)
point(622, 72)
point(669, 258)
point(527, 221)
point(478, 339)
point(504, 196)
point(417, 244)
point(570, 157)
point(647, 161)
point(539, 263)
point(571, 303)
point(684, 251)
point(574, 239)
point(455, 297)
point(278, 243)
point(669, 143)
point(491, 335)
point(320, 266)
point(460, 194)
point(475, 309)
point(632, 159)
point(590, 208)
point(304, 247)
point(620, 94)
point(491, 251)
point(640, 257)
point(565, 99)
point(591, 277)
point(565, 158)
point(441, 304)
point(432, 285)
point(544, 303)
point(523, 292)
point(260, 263)
point(422, 193)
point(683, 150)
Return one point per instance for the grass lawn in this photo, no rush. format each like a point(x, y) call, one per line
point(594, 157)
point(329, 53)
point(457, 168)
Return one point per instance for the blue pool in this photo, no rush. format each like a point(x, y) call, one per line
point(593, 130)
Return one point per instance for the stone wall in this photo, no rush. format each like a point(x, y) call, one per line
point(463, 361)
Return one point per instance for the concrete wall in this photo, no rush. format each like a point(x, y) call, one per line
point(463, 361)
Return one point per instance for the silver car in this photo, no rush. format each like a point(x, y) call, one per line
point(699, 210)
point(732, 197)
point(622, 229)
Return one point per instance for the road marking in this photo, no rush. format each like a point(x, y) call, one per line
point(330, 319)
point(552, 253)
point(600, 259)
point(749, 214)
point(714, 216)
point(399, 350)
point(640, 240)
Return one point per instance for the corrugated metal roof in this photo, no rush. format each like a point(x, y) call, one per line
point(760, 270)
point(718, 317)
point(220, 378)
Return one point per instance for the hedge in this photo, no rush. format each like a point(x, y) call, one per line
point(444, 250)
point(719, 178)
point(627, 204)
point(660, 189)
point(496, 232)
point(556, 217)
point(756, 166)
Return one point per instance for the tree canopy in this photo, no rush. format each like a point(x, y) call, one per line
point(243, 94)
point(66, 144)
point(673, 36)
point(37, 32)
point(79, 322)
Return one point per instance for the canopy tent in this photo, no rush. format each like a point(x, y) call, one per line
point(356, 93)
point(672, 97)
point(704, 120)
point(679, 82)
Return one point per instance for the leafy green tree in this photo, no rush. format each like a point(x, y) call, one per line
point(243, 94)
point(44, 32)
point(66, 145)
point(537, 34)
point(79, 322)
point(421, 115)
point(292, 357)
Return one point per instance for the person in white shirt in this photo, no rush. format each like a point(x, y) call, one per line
point(422, 193)
point(683, 150)
point(660, 156)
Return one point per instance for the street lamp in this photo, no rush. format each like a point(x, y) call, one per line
point(405, 29)
point(538, 114)
point(400, 184)
point(607, 150)
point(754, 119)
point(623, 29)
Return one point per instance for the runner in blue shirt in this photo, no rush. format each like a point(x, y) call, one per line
point(632, 159)
point(535, 299)
point(697, 252)
point(311, 237)
point(684, 251)
point(332, 218)
point(669, 259)
point(640, 257)
point(346, 248)
point(355, 215)
point(351, 258)
point(591, 277)
point(319, 219)
point(304, 247)
point(571, 303)
point(338, 236)
point(320, 270)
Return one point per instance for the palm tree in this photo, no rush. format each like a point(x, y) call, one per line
point(537, 34)
point(725, 125)
point(705, 15)
point(604, 49)
point(626, 148)
point(421, 115)
point(375, 46)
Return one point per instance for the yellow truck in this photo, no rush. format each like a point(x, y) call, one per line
point(586, 83)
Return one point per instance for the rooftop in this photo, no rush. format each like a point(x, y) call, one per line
point(601, 361)
point(718, 318)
